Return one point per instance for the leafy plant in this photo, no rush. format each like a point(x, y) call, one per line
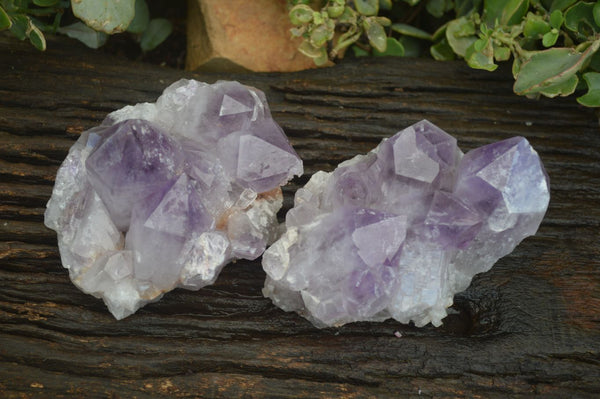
point(30, 18)
point(553, 44)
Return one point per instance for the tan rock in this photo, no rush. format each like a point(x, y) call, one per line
point(242, 34)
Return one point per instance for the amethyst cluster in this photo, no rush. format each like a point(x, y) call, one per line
point(163, 195)
point(397, 232)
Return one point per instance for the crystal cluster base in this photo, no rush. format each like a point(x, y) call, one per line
point(163, 195)
point(397, 232)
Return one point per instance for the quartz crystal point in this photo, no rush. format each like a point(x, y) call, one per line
point(163, 195)
point(397, 232)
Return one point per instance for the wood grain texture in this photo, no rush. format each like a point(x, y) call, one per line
point(529, 326)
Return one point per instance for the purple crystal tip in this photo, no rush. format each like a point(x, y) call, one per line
point(164, 194)
point(397, 232)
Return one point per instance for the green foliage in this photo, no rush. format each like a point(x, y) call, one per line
point(28, 19)
point(553, 44)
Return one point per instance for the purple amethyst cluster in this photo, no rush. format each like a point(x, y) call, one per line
point(397, 232)
point(163, 195)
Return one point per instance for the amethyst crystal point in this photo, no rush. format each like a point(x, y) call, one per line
point(399, 231)
point(163, 195)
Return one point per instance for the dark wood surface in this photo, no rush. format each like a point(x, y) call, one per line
point(529, 326)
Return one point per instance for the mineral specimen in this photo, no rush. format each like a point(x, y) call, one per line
point(164, 195)
point(397, 232)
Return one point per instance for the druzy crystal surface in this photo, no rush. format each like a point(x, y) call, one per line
point(398, 231)
point(163, 195)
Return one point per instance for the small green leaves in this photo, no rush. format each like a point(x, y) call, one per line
point(301, 14)
point(592, 98)
point(108, 16)
point(375, 34)
point(393, 48)
point(156, 33)
point(5, 22)
point(411, 31)
point(367, 7)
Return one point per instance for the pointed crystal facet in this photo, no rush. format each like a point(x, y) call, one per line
point(230, 106)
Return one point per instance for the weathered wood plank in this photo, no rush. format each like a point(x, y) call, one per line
point(529, 326)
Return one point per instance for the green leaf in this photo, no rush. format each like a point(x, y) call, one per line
point(595, 62)
point(460, 34)
point(393, 47)
point(439, 33)
point(592, 98)
point(516, 67)
point(322, 58)
point(309, 50)
point(156, 33)
point(84, 34)
point(411, 31)
point(320, 34)
point(141, 19)
point(335, 10)
point(348, 17)
point(549, 39)
point(580, 19)
point(385, 4)
point(535, 26)
point(561, 4)
point(19, 26)
point(506, 12)
point(36, 37)
point(412, 2)
point(480, 55)
point(551, 67)
point(359, 52)
point(437, 8)
point(367, 7)
point(45, 3)
point(442, 51)
point(108, 16)
point(556, 19)
point(375, 34)
point(5, 22)
point(301, 14)
point(464, 7)
point(412, 47)
point(501, 53)
point(565, 88)
point(596, 13)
